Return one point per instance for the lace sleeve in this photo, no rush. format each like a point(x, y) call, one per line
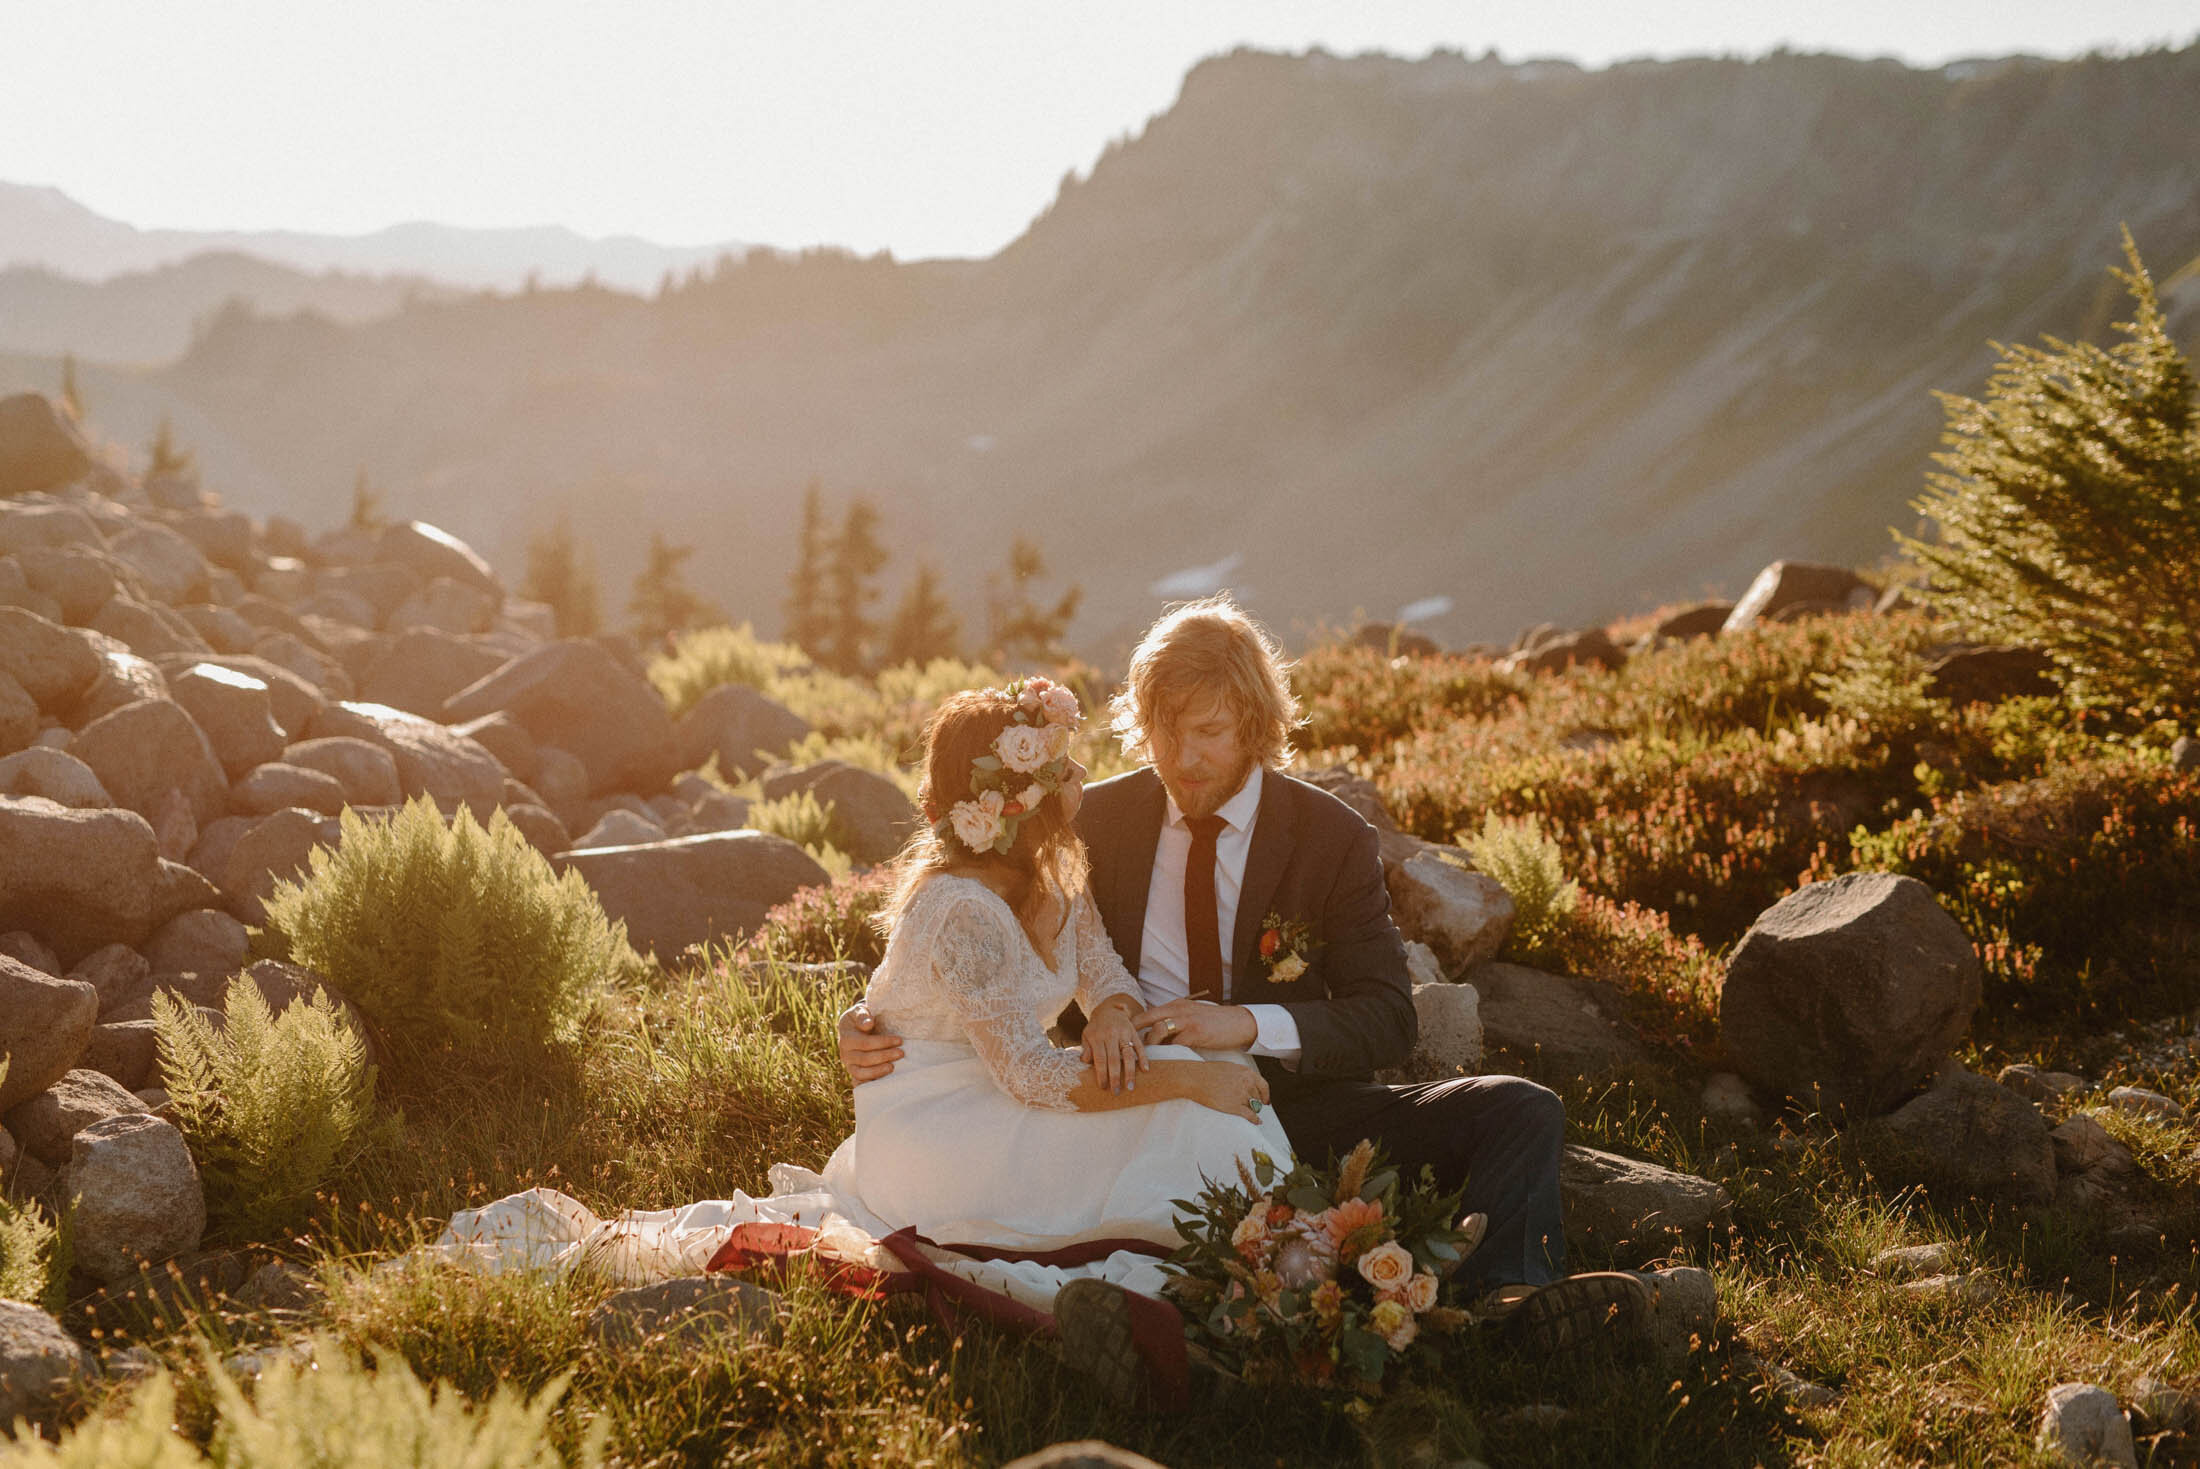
point(1100, 971)
point(976, 960)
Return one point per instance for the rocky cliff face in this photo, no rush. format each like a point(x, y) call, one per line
point(1551, 343)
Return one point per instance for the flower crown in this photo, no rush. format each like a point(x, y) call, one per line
point(1029, 761)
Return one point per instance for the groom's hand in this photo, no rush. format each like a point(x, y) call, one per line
point(866, 1052)
point(1199, 1024)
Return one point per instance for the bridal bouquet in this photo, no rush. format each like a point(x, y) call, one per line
point(1326, 1276)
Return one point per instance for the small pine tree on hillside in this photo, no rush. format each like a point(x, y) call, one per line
point(663, 604)
point(72, 397)
point(1019, 627)
point(923, 626)
point(2068, 509)
point(850, 575)
point(562, 575)
point(366, 504)
point(806, 622)
point(169, 458)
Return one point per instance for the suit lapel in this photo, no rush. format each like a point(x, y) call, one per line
point(1130, 873)
point(1272, 837)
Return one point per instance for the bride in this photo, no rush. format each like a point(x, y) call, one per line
point(1026, 1168)
point(986, 1133)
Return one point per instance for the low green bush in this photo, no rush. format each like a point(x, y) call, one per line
point(270, 1104)
point(451, 937)
point(714, 656)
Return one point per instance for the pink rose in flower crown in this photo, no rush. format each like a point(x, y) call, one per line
point(979, 822)
point(1387, 1267)
point(1022, 748)
point(1030, 796)
point(1060, 706)
point(1057, 741)
point(1420, 1293)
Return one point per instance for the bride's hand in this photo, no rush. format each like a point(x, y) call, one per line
point(1112, 1046)
point(1229, 1087)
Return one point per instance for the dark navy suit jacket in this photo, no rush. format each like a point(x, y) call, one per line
point(1314, 859)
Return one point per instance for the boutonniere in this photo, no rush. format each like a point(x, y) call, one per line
point(1287, 948)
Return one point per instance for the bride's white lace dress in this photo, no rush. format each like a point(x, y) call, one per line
point(970, 1140)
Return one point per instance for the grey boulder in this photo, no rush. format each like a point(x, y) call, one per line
point(54, 774)
point(143, 751)
point(1848, 992)
point(52, 663)
point(1437, 898)
point(45, 1124)
point(739, 725)
point(1635, 1209)
point(138, 1196)
point(41, 448)
point(235, 711)
point(42, 1368)
point(1969, 1135)
point(577, 696)
point(366, 771)
point(871, 814)
point(80, 879)
point(45, 1024)
point(695, 890)
point(431, 760)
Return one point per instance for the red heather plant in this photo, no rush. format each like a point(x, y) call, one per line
point(821, 924)
point(2080, 886)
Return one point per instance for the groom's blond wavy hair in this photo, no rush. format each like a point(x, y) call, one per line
point(1047, 859)
point(1206, 648)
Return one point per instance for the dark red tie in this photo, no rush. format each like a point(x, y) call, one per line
point(1202, 930)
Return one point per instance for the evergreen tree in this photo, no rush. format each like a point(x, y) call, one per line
point(850, 576)
point(806, 620)
point(1017, 625)
point(72, 397)
point(2068, 508)
point(663, 603)
point(169, 457)
point(561, 574)
point(366, 504)
point(923, 626)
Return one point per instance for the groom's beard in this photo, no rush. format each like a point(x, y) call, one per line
point(1214, 787)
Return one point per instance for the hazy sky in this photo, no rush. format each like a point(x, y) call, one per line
point(926, 127)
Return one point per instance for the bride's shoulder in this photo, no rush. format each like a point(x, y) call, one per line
point(949, 890)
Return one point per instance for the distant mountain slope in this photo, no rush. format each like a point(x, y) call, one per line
point(148, 316)
point(45, 227)
point(1553, 343)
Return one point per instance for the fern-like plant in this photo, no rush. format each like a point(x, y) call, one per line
point(334, 1413)
point(1532, 870)
point(453, 938)
point(270, 1104)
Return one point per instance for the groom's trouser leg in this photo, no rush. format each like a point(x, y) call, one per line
point(1501, 1134)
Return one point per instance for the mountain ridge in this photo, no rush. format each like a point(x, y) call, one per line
point(40, 226)
point(1550, 342)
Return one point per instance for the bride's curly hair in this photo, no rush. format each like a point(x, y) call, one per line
point(1048, 858)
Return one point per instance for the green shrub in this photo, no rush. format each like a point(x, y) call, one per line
point(821, 924)
point(1674, 977)
point(334, 1413)
point(2068, 508)
point(34, 1253)
point(271, 1104)
point(1532, 869)
point(712, 656)
point(450, 937)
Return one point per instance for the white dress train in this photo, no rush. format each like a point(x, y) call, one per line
point(971, 1139)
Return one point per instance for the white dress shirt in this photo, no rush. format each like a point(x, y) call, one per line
point(1164, 958)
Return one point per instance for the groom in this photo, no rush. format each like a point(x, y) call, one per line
point(1252, 909)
